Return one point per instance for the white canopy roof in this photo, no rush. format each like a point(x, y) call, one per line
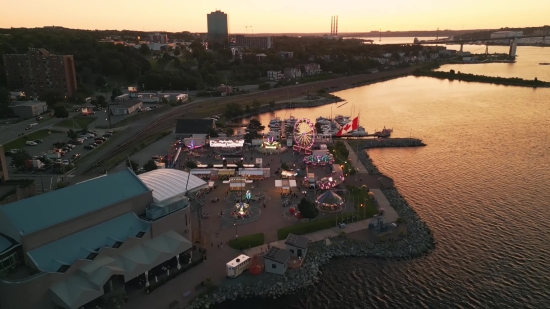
point(285, 183)
point(169, 183)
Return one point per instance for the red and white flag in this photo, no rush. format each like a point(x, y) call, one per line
point(348, 127)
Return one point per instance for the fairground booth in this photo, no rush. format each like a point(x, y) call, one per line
point(254, 173)
point(237, 183)
point(285, 185)
point(319, 157)
point(227, 145)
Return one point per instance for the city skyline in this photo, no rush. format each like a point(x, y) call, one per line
point(286, 16)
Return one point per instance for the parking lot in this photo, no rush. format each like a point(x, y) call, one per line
point(46, 145)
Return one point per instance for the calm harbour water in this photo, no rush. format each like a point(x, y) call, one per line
point(481, 185)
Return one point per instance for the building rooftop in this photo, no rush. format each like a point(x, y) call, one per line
point(41, 211)
point(6, 243)
point(297, 241)
point(277, 255)
point(170, 183)
point(26, 103)
point(127, 103)
point(87, 243)
point(194, 126)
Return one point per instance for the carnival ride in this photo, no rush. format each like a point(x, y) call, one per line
point(271, 146)
point(330, 202)
point(326, 183)
point(304, 135)
point(319, 160)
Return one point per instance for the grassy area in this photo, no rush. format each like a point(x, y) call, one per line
point(139, 116)
point(364, 209)
point(77, 122)
point(120, 157)
point(246, 242)
point(20, 142)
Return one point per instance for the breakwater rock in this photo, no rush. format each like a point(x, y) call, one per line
point(391, 142)
point(381, 143)
point(418, 242)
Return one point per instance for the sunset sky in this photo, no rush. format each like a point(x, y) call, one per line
point(275, 16)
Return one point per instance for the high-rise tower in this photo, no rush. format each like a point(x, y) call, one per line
point(218, 31)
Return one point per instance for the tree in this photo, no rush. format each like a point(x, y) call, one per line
point(51, 97)
point(271, 104)
point(144, 49)
point(150, 166)
point(229, 131)
point(253, 128)
point(191, 164)
point(212, 132)
point(256, 105)
point(18, 159)
point(60, 111)
point(132, 164)
point(72, 134)
point(4, 101)
point(177, 52)
point(308, 209)
point(100, 81)
point(102, 101)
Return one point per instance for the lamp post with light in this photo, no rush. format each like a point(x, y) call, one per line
point(236, 234)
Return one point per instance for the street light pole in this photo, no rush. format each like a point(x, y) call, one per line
point(236, 234)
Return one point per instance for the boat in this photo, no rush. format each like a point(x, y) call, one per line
point(384, 133)
point(322, 120)
point(359, 132)
point(341, 120)
point(544, 63)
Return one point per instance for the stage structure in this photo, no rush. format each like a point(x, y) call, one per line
point(304, 135)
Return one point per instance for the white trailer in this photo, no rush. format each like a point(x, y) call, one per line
point(236, 266)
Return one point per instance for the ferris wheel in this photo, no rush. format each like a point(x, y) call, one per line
point(304, 135)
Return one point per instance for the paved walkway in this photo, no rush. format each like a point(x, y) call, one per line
point(390, 215)
point(356, 162)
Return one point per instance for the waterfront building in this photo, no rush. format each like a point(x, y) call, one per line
point(286, 55)
point(275, 75)
point(218, 30)
point(73, 247)
point(297, 245)
point(158, 38)
point(506, 34)
point(38, 71)
point(292, 72)
point(262, 42)
point(276, 260)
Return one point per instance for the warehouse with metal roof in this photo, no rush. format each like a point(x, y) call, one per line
point(82, 244)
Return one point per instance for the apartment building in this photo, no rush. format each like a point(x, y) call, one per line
point(261, 42)
point(38, 71)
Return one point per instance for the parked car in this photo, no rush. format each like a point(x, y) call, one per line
point(66, 162)
point(31, 143)
point(75, 156)
point(89, 147)
point(38, 141)
point(83, 136)
point(28, 127)
point(94, 144)
point(107, 135)
point(70, 145)
point(39, 118)
point(111, 132)
point(98, 141)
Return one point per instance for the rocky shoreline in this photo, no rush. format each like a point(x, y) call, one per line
point(391, 142)
point(267, 109)
point(418, 242)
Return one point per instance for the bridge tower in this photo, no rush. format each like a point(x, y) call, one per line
point(461, 47)
point(486, 49)
point(513, 47)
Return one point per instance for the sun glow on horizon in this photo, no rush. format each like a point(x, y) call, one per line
point(284, 16)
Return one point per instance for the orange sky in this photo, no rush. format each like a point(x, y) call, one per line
point(276, 16)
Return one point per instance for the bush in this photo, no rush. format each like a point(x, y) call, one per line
point(264, 86)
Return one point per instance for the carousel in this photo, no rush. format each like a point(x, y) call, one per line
point(319, 160)
point(330, 202)
point(241, 211)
